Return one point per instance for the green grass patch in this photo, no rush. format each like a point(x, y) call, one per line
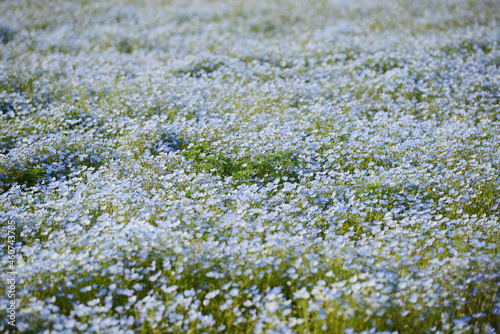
point(260, 169)
point(125, 46)
point(6, 34)
point(7, 143)
point(28, 176)
point(199, 69)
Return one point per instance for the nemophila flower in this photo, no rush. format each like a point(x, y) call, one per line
point(301, 294)
point(181, 178)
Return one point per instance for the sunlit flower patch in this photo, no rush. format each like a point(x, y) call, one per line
point(250, 166)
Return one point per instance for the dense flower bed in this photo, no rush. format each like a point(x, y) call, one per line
point(251, 166)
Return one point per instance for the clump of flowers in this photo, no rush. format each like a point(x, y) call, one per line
point(209, 167)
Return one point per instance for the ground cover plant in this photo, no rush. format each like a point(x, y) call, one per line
point(250, 166)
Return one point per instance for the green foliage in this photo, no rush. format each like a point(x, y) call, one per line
point(199, 69)
point(32, 173)
point(246, 169)
point(483, 202)
point(125, 46)
point(7, 142)
point(6, 34)
point(5, 107)
point(28, 176)
point(467, 47)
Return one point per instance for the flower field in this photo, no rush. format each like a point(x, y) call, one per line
point(285, 166)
